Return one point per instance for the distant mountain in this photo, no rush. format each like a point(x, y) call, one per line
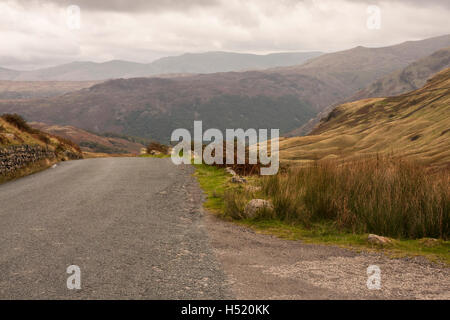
point(284, 98)
point(356, 69)
point(212, 62)
point(414, 125)
point(208, 62)
point(11, 90)
point(8, 74)
point(410, 78)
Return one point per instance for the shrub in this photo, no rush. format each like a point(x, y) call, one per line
point(156, 146)
point(17, 121)
point(385, 196)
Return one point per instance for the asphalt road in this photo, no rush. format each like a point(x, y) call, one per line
point(136, 229)
point(132, 225)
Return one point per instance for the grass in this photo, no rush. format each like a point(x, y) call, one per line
point(224, 196)
point(160, 156)
point(382, 195)
point(213, 181)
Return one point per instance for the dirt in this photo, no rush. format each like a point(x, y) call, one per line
point(260, 266)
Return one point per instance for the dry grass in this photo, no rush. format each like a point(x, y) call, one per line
point(383, 195)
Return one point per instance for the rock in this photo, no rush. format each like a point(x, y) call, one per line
point(255, 206)
point(375, 239)
point(231, 171)
point(251, 188)
point(237, 179)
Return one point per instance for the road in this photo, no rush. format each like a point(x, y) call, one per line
point(132, 225)
point(136, 229)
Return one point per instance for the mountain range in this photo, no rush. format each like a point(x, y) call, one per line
point(283, 97)
point(208, 62)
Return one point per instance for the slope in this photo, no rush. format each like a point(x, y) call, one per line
point(415, 125)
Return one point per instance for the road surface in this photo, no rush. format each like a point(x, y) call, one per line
point(136, 229)
point(132, 225)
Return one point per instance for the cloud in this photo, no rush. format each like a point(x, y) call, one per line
point(37, 32)
point(128, 5)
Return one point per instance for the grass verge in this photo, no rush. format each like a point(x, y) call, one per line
point(160, 156)
point(216, 184)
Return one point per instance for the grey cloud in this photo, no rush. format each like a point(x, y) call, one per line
point(415, 3)
point(129, 5)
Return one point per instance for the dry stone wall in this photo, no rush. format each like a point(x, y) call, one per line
point(13, 158)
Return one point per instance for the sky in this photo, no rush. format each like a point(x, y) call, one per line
point(40, 33)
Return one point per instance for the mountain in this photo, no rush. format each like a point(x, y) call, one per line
point(90, 142)
point(402, 79)
point(284, 98)
point(410, 78)
point(212, 62)
point(8, 74)
point(154, 107)
point(208, 62)
point(413, 125)
point(10, 90)
point(356, 68)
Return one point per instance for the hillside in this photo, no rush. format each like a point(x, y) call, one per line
point(90, 142)
point(10, 90)
point(208, 62)
point(410, 78)
point(283, 98)
point(414, 125)
point(15, 132)
point(400, 81)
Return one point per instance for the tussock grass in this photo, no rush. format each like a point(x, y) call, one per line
point(382, 195)
point(228, 201)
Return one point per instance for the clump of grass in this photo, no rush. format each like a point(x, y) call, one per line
point(385, 196)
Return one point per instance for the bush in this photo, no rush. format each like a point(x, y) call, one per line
point(385, 196)
point(156, 146)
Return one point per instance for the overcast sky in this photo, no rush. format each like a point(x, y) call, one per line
point(37, 33)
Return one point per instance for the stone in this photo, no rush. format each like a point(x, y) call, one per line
point(255, 206)
point(231, 171)
point(237, 179)
point(251, 188)
point(375, 239)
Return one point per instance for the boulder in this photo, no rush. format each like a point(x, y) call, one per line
point(255, 206)
point(379, 240)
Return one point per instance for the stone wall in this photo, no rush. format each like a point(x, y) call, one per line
point(13, 158)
